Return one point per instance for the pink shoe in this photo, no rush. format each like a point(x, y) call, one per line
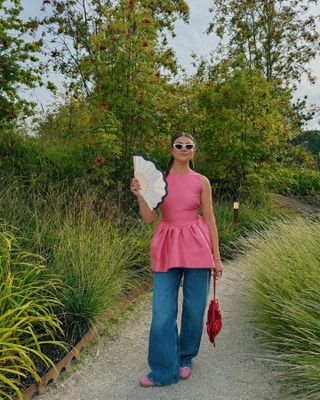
point(184, 372)
point(145, 381)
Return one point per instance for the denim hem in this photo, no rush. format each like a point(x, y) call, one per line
point(186, 364)
point(175, 380)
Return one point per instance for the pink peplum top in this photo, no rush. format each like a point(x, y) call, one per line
point(181, 237)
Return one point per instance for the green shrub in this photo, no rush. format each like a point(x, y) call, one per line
point(98, 252)
point(27, 318)
point(297, 182)
point(283, 264)
point(307, 182)
point(39, 166)
point(97, 262)
point(251, 216)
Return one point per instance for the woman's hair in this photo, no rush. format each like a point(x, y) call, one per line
point(173, 138)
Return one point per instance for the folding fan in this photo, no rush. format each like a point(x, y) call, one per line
point(152, 181)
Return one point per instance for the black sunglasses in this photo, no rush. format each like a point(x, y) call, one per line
point(187, 146)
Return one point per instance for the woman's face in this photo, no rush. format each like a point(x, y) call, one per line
point(183, 154)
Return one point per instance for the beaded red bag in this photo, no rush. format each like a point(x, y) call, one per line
point(214, 317)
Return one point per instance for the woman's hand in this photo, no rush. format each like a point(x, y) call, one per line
point(218, 268)
point(135, 187)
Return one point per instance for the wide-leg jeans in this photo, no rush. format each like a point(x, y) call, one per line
point(168, 351)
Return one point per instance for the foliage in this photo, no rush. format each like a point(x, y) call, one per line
point(275, 37)
point(242, 128)
point(278, 38)
point(95, 272)
point(114, 61)
point(253, 214)
point(309, 140)
point(298, 181)
point(285, 297)
point(85, 134)
point(15, 53)
point(97, 252)
point(295, 156)
point(27, 319)
point(39, 165)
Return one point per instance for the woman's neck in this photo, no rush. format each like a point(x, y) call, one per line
point(180, 168)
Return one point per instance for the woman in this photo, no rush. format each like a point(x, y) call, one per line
point(184, 243)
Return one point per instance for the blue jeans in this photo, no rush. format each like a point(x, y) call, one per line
point(168, 351)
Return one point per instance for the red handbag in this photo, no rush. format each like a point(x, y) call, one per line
point(214, 317)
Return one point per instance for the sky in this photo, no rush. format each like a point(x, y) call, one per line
point(189, 38)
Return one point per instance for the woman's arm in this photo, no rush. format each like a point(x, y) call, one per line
point(147, 215)
point(208, 215)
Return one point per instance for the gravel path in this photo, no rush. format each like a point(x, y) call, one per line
point(110, 368)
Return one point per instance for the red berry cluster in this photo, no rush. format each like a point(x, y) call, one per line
point(100, 160)
point(104, 105)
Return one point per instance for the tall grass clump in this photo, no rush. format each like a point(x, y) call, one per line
point(27, 318)
point(98, 263)
point(283, 264)
point(98, 252)
point(252, 216)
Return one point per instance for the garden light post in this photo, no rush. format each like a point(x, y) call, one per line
point(236, 205)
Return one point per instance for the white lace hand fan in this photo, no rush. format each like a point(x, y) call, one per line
point(152, 181)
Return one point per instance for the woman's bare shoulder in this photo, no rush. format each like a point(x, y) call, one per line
point(204, 179)
point(205, 184)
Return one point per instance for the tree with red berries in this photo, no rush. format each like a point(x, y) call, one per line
point(116, 55)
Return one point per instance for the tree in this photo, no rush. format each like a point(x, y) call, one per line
point(243, 130)
point(111, 53)
point(279, 38)
point(15, 53)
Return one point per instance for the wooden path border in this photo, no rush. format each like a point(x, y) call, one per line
point(63, 365)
